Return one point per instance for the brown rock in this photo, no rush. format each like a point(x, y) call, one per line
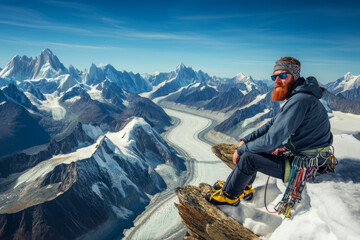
point(225, 153)
point(205, 220)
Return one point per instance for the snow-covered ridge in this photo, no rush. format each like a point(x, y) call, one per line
point(345, 83)
point(45, 167)
point(107, 151)
point(248, 81)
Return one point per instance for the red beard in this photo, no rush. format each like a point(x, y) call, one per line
point(282, 91)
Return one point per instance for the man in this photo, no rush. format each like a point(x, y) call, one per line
point(302, 126)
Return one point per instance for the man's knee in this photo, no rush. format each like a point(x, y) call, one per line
point(246, 163)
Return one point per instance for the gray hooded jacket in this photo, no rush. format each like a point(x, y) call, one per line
point(302, 123)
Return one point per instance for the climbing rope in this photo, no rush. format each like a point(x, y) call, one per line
point(267, 182)
point(303, 169)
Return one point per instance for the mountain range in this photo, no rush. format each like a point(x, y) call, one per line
point(57, 97)
point(62, 193)
point(78, 150)
point(73, 141)
point(347, 86)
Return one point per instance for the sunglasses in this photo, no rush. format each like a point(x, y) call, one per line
point(281, 76)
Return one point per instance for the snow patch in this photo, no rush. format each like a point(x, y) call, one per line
point(92, 131)
point(96, 94)
point(95, 188)
point(51, 104)
point(118, 176)
point(121, 212)
point(254, 118)
point(344, 123)
point(73, 99)
point(255, 101)
point(168, 173)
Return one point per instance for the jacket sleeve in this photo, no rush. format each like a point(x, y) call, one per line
point(284, 125)
point(259, 132)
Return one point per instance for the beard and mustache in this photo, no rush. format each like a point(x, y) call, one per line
point(282, 91)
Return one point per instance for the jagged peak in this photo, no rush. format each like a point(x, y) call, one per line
point(46, 51)
point(106, 66)
point(180, 66)
point(48, 57)
point(240, 77)
point(348, 76)
point(71, 67)
point(19, 58)
point(101, 67)
point(93, 68)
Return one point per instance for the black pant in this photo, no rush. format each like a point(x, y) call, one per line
point(245, 171)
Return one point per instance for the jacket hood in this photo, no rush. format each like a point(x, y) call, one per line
point(309, 85)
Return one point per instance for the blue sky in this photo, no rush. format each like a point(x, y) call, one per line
point(221, 38)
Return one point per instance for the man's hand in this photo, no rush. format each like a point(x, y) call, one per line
point(236, 156)
point(279, 151)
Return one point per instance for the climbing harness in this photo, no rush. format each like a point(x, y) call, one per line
point(304, 168)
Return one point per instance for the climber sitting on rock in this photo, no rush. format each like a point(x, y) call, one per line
point(302, 126)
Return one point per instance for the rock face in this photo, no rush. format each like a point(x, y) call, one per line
point(225, 153)
point(340, 103)
point(20, 161)
point(205, 220)
point(19, 130)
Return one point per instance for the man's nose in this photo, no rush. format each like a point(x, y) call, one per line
point(278, 80)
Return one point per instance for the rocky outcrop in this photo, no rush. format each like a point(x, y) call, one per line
point(204, 220)
point(225, 153)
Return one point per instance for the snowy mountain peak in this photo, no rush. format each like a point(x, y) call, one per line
point(348, 75)
point(126, 80)
point(46, 52)
point(106, 67)
point(136, 123)
point(93, 66)
point(180, 66)
point(240, 77)
point(48, 66)
point(345, 83)
point(19, 68)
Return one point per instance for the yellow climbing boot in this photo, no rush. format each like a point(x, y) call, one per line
point(220, 197)
point(246, 195)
